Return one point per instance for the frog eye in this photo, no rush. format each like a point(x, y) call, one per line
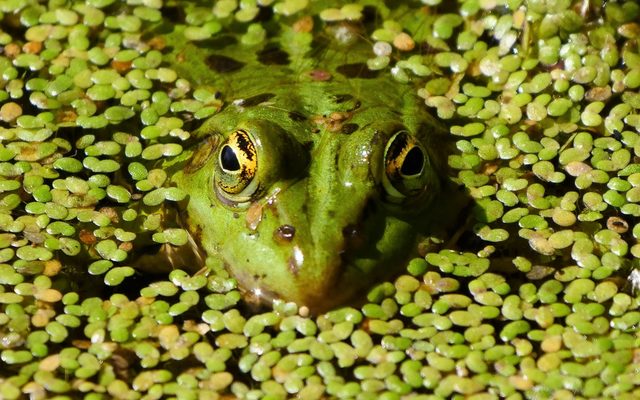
point(405, 163)
point(237, 166)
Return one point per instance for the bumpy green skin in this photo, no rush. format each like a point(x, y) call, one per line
point(321, 147)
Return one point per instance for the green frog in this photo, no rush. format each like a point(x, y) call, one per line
point(316, 177)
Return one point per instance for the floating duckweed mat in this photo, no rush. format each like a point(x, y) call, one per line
point(534, 300)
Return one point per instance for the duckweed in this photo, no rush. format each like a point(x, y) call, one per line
point(529, 300)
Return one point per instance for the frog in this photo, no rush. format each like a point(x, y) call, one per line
point(317, 177)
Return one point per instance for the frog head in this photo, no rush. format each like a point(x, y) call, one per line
point(309, 193)
point(314, 180)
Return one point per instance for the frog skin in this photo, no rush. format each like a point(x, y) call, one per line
point(312, 182)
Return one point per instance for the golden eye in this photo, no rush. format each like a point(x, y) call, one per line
point(405, 161)
point(237, 165)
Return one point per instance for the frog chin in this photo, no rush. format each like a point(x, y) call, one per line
point(317, 295)
point(343, 275)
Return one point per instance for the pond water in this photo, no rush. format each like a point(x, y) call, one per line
point(519, 120)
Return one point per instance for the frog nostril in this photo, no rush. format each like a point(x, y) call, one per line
point(284, 234)
point(353, 237)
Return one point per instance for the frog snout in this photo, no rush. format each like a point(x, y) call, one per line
point(353, 239)
point(316, 241)
point(315, 254)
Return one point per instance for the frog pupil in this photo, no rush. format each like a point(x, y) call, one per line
point(413, 162)
point(229, 160)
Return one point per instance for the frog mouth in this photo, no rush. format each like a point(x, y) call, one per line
point(352, 262)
